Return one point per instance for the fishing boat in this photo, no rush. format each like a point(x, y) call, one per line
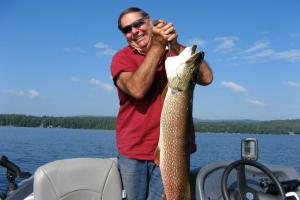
point(98, 178)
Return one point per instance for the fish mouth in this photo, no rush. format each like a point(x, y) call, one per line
point(194, 47)
point(196, 58)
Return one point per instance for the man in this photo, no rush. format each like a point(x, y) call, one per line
point(139, 74)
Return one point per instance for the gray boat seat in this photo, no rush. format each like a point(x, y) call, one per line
point(78, 179)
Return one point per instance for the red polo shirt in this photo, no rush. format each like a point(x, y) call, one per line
point(137, 128)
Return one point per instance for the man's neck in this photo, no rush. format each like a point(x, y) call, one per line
point(142, 51)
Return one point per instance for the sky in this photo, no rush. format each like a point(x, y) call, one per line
point(55, 55)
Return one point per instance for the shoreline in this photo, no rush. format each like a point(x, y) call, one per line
point(113, 130)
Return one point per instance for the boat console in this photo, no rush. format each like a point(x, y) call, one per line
point(247, 179)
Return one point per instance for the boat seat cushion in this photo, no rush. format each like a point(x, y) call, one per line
point(78, 179)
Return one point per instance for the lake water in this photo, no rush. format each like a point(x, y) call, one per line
point(31, 147)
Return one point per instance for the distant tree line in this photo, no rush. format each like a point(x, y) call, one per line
point(259, 127)
point(78, 122)
point(108, 123)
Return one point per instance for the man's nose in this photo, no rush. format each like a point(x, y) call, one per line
point(134, 30)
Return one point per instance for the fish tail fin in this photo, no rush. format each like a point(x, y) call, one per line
point(157, 156)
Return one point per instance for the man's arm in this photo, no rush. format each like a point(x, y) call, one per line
point(205, 75)
point(137, 83)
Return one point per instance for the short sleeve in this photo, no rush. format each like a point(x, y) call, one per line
point(122, 62)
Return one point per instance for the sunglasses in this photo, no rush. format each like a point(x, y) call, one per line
point(137, 24)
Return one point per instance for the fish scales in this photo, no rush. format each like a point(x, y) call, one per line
point(176, 124)
point(175, 151)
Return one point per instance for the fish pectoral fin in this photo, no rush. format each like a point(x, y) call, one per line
point(157, 156)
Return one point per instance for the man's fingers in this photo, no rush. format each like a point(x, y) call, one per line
point(159, 23)
point(172, 37)
point(166, 31)
point(169, 30)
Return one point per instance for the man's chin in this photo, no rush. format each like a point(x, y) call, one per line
point(140, 45)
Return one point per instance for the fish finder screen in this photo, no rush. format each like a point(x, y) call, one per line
point(249, 149)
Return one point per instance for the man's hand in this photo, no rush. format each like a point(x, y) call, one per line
point(163, 33)
point(162, 29)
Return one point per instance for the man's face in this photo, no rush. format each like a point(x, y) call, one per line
point(139, 30)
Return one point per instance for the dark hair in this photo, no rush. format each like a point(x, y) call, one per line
point(131, 10)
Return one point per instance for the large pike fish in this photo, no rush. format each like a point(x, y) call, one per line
point(173, 152)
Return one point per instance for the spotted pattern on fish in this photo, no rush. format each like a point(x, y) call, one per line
point(176, 126)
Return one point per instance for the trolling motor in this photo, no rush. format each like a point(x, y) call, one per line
point(13, 171)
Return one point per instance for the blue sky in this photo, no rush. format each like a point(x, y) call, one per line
point(55, 55)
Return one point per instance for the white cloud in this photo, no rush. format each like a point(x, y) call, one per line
point(33, 93)
point(260, 56)
point(30, 93)
point(289, 55)
point(255, 57)
point(15, 92)
point(256, 47)
point(268, 55)
point(260, 51)
point(255, 103)
point(225, 44)
point(196, 41)
point(75, 49)
point(233, 86)
point(291, 84)
point(105, 50)
point(101, 45)
point(101, 84)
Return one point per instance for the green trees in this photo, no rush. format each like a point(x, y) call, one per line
point(274, 126)
point(58, 122)
point(90, 122)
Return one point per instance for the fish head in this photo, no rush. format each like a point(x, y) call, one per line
point(183, 68)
